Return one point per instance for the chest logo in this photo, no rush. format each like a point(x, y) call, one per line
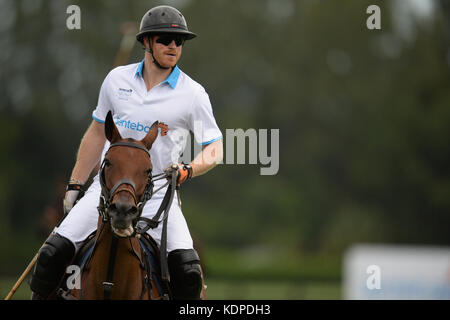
point(164, 128)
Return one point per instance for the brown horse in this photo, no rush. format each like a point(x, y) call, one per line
point(116, 268)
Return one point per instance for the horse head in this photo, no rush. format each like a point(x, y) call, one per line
point(126, 177)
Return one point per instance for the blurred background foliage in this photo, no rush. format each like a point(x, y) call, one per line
point(363, 117)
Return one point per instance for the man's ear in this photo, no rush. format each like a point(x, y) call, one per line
point(148, 42)
point(111, 132)
point(151, 135)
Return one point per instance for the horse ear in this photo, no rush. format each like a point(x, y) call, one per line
point(111, 132)
point(151, 135)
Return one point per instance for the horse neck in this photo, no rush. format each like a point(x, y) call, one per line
point(127, 274)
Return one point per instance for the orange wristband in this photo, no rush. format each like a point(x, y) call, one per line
point(184, 173)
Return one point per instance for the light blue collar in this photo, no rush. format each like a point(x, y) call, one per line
point(172, 79)
point(140, 68)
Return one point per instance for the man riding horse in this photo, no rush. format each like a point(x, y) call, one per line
point(138, 95)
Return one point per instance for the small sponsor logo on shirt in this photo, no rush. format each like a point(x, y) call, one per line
point(124, 94)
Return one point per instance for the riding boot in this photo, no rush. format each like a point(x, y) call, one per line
point(185, 274)
point(51, 263)
point(35, 296)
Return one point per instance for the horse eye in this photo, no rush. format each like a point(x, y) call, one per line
point(107, 163)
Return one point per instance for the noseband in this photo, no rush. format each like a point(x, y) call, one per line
point(107, 195)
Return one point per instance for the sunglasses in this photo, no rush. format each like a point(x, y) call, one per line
point(167, 39)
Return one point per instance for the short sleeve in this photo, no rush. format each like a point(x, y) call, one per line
point(202, 122)
point(104, 102)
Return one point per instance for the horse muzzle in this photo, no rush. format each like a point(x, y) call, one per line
point(122, 214)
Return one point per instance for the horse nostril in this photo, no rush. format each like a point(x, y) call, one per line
point(132, 210)
point(112, 207)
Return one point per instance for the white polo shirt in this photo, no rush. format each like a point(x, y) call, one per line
point(180, 104)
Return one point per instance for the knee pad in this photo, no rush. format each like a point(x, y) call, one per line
point(185, 274)
point(52, 260)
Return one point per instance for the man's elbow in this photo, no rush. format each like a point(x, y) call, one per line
point(213, 152)
point(217, 151)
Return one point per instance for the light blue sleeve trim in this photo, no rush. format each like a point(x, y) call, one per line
point(97, 119)
point(210, 141)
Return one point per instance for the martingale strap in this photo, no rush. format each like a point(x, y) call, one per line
point(109, 284)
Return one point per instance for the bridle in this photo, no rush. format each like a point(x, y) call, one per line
point(140, 224)
point(107, 195)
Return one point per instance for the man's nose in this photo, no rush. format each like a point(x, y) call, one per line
point(172, 44)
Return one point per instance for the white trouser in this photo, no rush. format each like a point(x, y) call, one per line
point(83, 218)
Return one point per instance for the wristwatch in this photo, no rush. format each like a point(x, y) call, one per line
point(187, 167)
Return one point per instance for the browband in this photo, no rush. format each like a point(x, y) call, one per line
point(129, 144)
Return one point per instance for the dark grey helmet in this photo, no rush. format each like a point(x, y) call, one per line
point(163, 19)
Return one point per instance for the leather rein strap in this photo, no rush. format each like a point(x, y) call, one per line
point(154, 222)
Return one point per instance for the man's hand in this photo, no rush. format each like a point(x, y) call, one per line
point(184, 172)
point(74, 192)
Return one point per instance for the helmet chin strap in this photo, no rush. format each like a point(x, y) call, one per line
point(154, 59)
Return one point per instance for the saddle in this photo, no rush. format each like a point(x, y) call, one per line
point(151, 259)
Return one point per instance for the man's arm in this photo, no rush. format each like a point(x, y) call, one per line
point(208, 158)
point(90, 151)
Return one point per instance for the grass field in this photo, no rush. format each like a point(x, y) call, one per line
point(6, 284)
point(272, 290)
point(221, 289)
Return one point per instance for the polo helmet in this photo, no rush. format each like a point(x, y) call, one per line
point(163, 19)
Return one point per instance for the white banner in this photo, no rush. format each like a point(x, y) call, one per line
point(396, 272)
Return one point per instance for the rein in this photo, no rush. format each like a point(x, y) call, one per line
point(142, 224)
